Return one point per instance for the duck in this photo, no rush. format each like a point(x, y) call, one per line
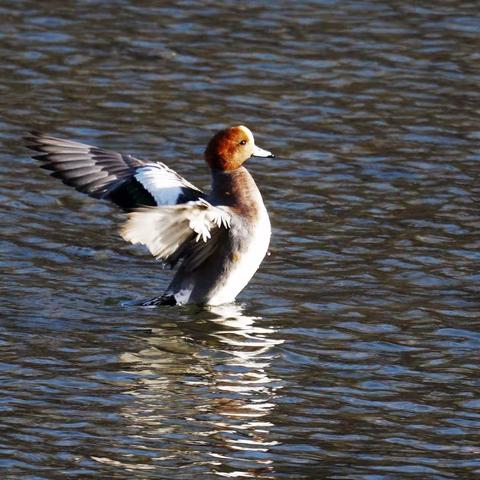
point(217, 240)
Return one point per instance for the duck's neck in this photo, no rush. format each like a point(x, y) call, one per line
point(236, 189)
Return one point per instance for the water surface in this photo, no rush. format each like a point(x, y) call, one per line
point(353, 354)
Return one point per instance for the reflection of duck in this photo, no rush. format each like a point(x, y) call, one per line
point(204, 392)
point(248, 393)
point(220, 238)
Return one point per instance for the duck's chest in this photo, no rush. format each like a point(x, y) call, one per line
point(251, 242)
point(247, 248)
point(249, 237)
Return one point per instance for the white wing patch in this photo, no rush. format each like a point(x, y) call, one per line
point(205, 218)
point(163, 230)
point(162, 183)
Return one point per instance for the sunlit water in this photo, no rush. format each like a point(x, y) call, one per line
point(354, 352)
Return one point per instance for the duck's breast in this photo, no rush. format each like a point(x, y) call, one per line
point(249, 235)
point(249, 246)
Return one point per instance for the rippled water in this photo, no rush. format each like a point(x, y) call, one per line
point(354, 352)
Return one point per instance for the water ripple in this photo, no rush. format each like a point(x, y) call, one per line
point(355, 354)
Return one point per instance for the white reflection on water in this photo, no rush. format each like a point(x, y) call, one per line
point(248, 346)
point(214, 370)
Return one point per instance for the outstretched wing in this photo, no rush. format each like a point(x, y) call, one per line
point(123, 179)
point(190, 231)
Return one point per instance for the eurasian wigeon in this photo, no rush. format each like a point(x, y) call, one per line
point(220, 238)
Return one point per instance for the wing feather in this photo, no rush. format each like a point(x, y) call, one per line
point(121, 178)
point(189, 231)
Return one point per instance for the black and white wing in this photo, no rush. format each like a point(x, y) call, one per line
point(190, 231)
point(123, 179)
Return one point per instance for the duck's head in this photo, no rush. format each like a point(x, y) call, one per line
point(229, 148)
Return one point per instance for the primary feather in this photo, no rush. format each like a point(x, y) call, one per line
point(121, 178)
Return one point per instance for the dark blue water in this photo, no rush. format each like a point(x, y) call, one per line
point(354, 352)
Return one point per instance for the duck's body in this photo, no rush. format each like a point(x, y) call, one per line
point(220, 238)
point(240, 251)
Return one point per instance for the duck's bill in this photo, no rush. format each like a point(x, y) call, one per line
point(260, 152)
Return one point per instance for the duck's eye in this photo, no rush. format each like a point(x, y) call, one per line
point(243, 142)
